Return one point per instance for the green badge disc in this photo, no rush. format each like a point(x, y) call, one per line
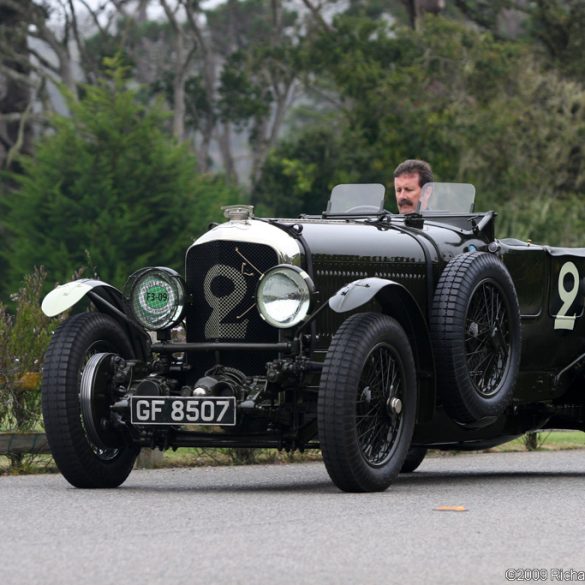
point(157, 296)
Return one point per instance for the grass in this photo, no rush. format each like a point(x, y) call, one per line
point(30, 464)
point(184, 457)
point(547, 441)
point(196, 457)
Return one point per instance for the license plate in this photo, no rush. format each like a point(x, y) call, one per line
point(183, 410)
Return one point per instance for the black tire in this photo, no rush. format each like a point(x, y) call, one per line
point(82, 463)
point(475, 324)
point(364, 436)
point(414, 458)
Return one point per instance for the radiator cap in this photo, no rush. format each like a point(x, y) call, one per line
point(238, 212)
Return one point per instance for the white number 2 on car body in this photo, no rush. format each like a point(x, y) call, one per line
point(568, 296)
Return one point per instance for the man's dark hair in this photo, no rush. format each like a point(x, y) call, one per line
point(423, 168)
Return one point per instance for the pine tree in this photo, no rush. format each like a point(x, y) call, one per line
point(109, 184)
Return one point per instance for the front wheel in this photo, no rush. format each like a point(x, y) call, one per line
point(77, 351)
point(367, 403)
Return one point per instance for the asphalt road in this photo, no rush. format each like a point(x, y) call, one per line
point(287, 524)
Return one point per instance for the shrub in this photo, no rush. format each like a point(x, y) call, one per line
point(24, 337)
point(112, 183)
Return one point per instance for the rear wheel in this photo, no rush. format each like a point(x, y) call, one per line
point(414, 458)
point(367, 403)
point(76, 395)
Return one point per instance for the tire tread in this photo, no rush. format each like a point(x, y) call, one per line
point(61, 408)
point(341, 373)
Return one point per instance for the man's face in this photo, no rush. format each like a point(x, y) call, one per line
point(407, 190)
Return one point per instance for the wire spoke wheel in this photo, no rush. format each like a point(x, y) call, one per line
point(488, 338)
point(378, 392)
point(475, 325)
point(367, 403)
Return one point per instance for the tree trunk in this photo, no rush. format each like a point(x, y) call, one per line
point(225, 147)
point(179, 107)
point(416, 8)
point(203, 155)
point(141, 11)
point(260, 151)
point(179, 88)
point(15, 95)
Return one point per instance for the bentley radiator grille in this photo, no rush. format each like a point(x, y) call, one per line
point(221, 279)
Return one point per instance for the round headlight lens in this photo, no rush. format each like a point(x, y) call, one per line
point(157, 297)
point(284, 296)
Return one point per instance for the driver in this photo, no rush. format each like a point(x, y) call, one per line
point(409, 177)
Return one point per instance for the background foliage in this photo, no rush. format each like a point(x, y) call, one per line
point(170, 108)
point(125, 126)
point(25, 335)
point(480, 109)
point(109, 184)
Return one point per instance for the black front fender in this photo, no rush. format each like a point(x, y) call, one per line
point(396, 301)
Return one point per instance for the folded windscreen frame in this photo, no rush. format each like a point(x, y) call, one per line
point(356, 199)
point(447, 198)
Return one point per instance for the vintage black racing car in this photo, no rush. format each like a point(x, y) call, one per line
point(369, 335)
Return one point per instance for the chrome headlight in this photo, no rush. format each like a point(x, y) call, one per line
point(157, 297)
point(284, 296)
